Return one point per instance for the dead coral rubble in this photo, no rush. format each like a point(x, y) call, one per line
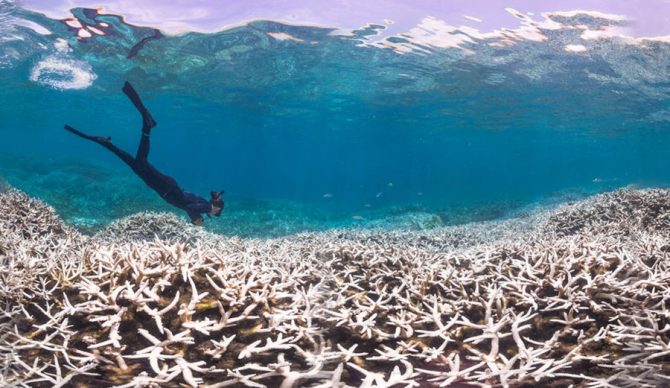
point(570, 303)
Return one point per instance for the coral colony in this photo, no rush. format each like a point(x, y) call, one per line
point(578, 295)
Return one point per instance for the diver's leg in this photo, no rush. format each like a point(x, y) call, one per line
point(143, 149)
point(148, 122)
point(105, 142)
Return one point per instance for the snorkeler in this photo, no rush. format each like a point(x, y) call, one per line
point(164, 185)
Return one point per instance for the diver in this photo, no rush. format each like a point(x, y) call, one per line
point(164, 185)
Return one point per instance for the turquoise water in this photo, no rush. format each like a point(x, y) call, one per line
point(309, 128)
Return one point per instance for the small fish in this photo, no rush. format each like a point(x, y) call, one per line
point(379, 194)
point(328, 195)
point(390, 184)
point(357, 217)
point(597, 180)
point(367, 205)
point(419, 193)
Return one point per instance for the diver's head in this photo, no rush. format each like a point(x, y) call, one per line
point(217, 203)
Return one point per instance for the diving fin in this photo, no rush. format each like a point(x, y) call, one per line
point(148, 122)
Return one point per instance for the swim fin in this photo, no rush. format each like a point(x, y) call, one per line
point(97, 139)
point(148, 122)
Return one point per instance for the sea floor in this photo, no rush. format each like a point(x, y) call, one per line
point(575, 294)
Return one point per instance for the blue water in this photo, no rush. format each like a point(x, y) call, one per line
point(317, 131)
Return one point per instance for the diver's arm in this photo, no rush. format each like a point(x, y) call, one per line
point(196, 209)
point(199, 207)
point(196, 218)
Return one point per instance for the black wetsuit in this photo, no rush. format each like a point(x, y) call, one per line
point(164, 185)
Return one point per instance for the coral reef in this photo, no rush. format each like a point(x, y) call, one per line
point(578, 295)
point(4, 185)
point(148, 226)
point(623, 213)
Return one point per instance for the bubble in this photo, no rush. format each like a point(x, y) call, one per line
point(62, 46)
point(63, 73)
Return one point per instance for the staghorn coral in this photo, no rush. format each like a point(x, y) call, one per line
point(561, 297)
point(33, 241)
point(622, 213)
point(148, 226)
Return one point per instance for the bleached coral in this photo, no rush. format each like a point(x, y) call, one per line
point(623, 212)
point(149, 226)
point(553, 298)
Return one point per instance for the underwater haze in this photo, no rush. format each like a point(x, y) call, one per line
point(309, 127)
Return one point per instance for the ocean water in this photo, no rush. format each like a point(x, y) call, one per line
point(385, 143)
point(308, 128)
